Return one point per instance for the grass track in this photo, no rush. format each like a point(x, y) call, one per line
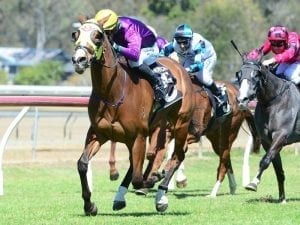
point(50, 193)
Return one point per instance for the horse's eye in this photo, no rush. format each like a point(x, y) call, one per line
point(75, 35)
point(238, 75)
point(97, 38)
point(253, 74)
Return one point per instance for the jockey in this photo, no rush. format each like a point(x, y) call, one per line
point(198, 56)
point(286, 49)
point(137, 42)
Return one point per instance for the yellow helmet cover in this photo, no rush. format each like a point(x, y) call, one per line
point(112, 18)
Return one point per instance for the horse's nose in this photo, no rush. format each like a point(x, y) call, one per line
point(242, 103)
point(82, 60)
point(73, 60)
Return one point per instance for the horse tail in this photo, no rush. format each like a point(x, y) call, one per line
point(251, 124)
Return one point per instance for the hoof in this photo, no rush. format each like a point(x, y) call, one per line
point(251, 187)
point(181, 184)
point(161, 207)
point(91, 210)
point(282, 201)
point(142, 191)
point(211, 196)
point(114, 176)
point(118, 205)
point(232, 190)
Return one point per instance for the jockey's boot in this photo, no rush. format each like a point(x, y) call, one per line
point(155, 81)
point(223, 107)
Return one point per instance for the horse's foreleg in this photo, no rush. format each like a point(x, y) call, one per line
point(170, 168)
point(91, 147)
point(134, 173)
point(277, 164)
point(231, 178)
point(113, 172)
point(119, 200)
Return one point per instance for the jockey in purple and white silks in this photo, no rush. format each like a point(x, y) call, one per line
point(285, 46)
point(137, 42)
point(198, 56)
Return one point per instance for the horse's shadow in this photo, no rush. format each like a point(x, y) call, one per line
point(270, 199)
point(141, 214)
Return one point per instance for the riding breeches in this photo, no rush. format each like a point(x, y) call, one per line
point(148, 56)
point(289, 71)
point(205, 75)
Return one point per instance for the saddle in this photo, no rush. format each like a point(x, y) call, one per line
point(217, 113)
point(172, 95)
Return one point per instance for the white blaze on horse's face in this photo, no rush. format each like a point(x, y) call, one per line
point(244, 89)
point(243, 98)
point(85, 48)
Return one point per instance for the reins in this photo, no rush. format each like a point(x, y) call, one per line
point(283, 88)
point(119, 101)
point(113, 65)
point(265, 81)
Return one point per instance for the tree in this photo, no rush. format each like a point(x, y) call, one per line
point(222, 21)
point(44, 73)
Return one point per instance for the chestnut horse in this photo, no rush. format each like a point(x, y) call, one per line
point(120, 108)
point(221, 132)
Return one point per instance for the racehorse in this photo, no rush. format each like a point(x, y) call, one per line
point(221, 132)
point(276, 115)
point(120, 108)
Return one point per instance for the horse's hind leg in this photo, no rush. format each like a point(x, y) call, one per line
point(113, 172)
point(91, 147)
point(277, 164)
point(223, 169)
point(271, 153)
point(181, 179)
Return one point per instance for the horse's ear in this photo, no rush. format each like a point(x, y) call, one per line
point(260, 54)
point(82, 18)
point(244, 56)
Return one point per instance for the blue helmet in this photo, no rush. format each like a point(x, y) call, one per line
point(183, 31)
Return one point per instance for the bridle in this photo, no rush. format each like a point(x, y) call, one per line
point(96, 54)
point(261, 80)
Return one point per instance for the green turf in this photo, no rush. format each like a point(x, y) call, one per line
point(51, 194)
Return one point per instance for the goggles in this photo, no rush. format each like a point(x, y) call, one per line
point(277, 43)
point(183, 41)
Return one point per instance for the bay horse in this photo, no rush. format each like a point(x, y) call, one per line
point(221, 132)
point(276, 115)
point(120, 108)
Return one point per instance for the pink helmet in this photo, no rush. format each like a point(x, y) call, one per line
point(278, 33)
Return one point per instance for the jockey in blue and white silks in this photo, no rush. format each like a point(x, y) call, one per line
point(198, 56)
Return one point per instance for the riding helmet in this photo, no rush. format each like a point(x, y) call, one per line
point(183, 31)
point(112, 20)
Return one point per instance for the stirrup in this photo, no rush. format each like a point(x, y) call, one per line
point(223, 109)
point(158, 93)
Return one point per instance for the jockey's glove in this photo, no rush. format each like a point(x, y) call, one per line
point(117, 47)
point(188, 69)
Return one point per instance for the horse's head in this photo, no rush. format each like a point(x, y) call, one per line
point(88, 41)
point(249, 78)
